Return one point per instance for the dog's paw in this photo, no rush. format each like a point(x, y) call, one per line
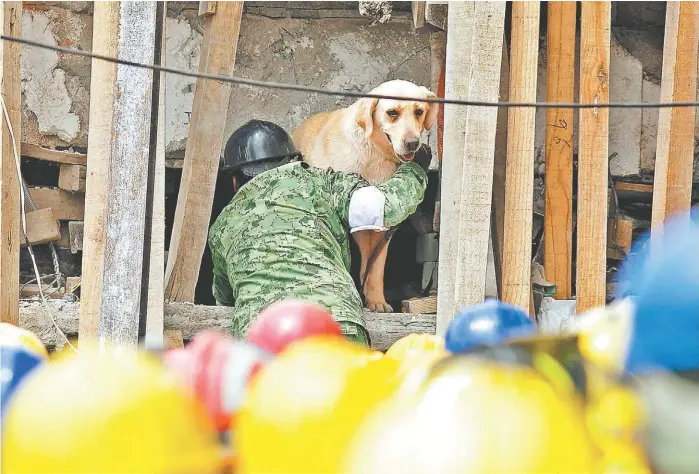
point(379, 307)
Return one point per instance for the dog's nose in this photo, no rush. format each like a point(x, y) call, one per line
point(412, 144)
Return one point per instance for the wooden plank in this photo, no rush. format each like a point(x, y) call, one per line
point(72, 284)
point(624, 237)
point(172, 339)
point(207, 8)
point(675, 142)
point(622, 186)
point(478, 155)
point(418, 14)
point(101, 123)
point(206, 131)
point(42, 227)
point(384, 328)
point(66, 206)
point(56, 156)
point(517, 252)
point(72, 178)
point(499, 170)
point(591, 265)
point(457, 76)
point(125, 209)
point(424, 305)
point(10, 186)
point(156, 269)
point(76, 230)
point(558, 216)
point(31, 290)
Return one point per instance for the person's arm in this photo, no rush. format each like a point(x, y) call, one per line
point(223, 293)
point(388, 204)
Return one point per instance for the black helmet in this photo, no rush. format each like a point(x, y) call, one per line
point(256, 147)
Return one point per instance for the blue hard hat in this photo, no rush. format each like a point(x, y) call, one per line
point(15, 364)
point(487, 323)
point(663, 284)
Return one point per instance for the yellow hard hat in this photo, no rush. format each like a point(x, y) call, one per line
point(475, 416)
point(303, 408)
point(11, 335)
point(90, 413)
point(414, 344)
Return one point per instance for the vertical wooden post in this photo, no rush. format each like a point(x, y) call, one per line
point(10, 187)
point(592, 156)
point(675, 144)
point(519, 190)
point(479, 150)
point(457, 78)
point(156, 271)
point(203, 152)
point(125, 181)
point(558, 217)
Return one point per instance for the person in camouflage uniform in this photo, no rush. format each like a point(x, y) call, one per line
point(285, 233)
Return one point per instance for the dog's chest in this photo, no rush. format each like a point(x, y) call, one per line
point(377, 170)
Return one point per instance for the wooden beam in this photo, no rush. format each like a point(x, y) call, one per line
point(123, 177)
point(624, 238)
point(10, 187)
point(384, 328)
point(31, 290)
point(457, 76)
point(156, 289)
point(558, 216)
point(66, 206)
point(591, 265)
point(207, 8)
point(72, 178)
point(204, 141)
point(42, 227)
point(675, 144)
point(418, 14)
point(499, 170)
point(517, 252)
point(102, 95)
point(424, 305)
point(172, 339)
point(56, 156)
point(478, 156)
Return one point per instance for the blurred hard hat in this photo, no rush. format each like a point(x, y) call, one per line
point(662, 279)
point(288, 321)
point(475, 416)
point(13, 336)
point(490, 322)
point(416, 344)
point(16, 363)
point(304, 406)
point(106, 413)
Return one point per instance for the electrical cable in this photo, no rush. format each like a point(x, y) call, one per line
point(318, 90)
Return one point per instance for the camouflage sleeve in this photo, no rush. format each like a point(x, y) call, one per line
point(342, 186)
point(404, 192)
point(223, 293)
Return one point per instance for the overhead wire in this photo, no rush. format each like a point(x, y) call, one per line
point(354, 94)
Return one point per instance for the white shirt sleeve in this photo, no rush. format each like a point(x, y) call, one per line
point(366, 210)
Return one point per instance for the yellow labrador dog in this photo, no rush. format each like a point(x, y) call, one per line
point(371, 137)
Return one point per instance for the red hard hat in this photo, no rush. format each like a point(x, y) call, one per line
point(287, 321)
point(221, 368)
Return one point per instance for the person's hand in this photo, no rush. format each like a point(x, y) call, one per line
point(423, 158)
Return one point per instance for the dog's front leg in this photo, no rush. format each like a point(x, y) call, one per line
point(373, 288)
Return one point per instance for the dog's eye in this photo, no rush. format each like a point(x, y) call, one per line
point(419, 112)
point(392, 113)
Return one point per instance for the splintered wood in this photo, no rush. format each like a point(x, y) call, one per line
point(474, 54)
point(592, 157)
point(517, 252)
point(558, 216)
point(675, 144)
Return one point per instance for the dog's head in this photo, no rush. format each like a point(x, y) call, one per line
point(397, 125)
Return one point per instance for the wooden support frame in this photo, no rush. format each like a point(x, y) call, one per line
point(675, 144)
point(519, 189)
point(127, 30)
point(10, 186)
point(558, 216)
point(591, 268)
point(204, 141)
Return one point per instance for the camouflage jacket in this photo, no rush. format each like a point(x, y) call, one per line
point(285, 235)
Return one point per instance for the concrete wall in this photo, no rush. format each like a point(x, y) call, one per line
point(323, 44)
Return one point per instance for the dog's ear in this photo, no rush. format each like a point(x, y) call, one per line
point(432, 109)
point(364, 115)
